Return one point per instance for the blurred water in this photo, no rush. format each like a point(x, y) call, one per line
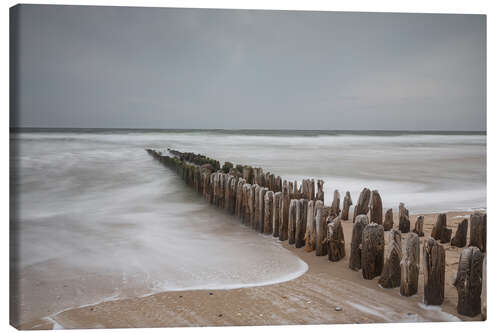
point(98, 217)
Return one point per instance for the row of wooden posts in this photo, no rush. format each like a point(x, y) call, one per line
point(298, 214)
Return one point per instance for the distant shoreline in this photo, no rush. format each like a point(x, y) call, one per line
point(308, 132)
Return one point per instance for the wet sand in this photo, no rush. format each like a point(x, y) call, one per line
point(328, 293)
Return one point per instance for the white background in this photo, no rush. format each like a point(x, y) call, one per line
point(490, 8)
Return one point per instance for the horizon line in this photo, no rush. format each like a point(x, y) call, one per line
point(246, 129)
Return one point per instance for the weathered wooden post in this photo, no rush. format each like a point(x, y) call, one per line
point(335, 204)
point(268, 212)
point(469, 281)
point(310, 238)
point(410, 265)
point(308, 188)
point(362, 206)
point(478, 231)
point(419, 226)
point(256, 208)
point(335, 237)
point(372, 251)
point(301, 222)
point(245, 200)
point(285, 204)
point(404, 219)
point(439, 226)
point(292, 216)
point(346, 206)
point(356, 241)
point(276, 214)
point(483, 291)
point(391, 274)
point(388, 220)
point(232, 189)
point(262, 194)
point(227, 190)
point(434, 261)
point(251, 203)
point(376, 208)
point(321, 244)
point(255, 202)
point(239, 197)
point(320, 195)
point(460, 238)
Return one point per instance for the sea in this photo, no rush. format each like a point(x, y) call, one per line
point(94, 217)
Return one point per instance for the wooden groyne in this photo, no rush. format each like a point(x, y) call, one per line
point(296, 212)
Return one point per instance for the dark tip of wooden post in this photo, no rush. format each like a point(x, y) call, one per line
point(362, 207)
point(376, 208)
point(419, 226)
point(404, 219)
point(460, 238)
point(388, 220)
point(346, 206)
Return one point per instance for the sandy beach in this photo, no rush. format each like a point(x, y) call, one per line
point(328, 293)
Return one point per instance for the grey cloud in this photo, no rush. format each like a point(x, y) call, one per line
point(197, 68)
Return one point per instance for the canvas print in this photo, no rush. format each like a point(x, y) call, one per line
point(217, 167)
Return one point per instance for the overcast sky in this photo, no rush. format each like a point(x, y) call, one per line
point(196, 68)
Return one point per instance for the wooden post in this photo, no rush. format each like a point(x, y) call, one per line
point(404, 219)
point(310, 238)
point(268, 212)
point(292, 216)
point(388, 220)
point(346, 206)
point(320, 195)
point(469, 281)
point(372, 251)
point(434, 261)
point(276, 214)
point(478, 231)
point(419, 226)
point(410, 265)
point(391, 274)
point(245, 200)
point(356, 240)
point(439, 226)
point(262, 212)
point(301, 222)
point(239, 197)
point(446, 235)
point(256, 208)
point(285, 203)
point(321, 244)
point(335, 237)
point(483, 291)
point(376, 208)
point(362, 206)
point(251, 204)
point(460, 239)
point(335, 204)
point(232, 188)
